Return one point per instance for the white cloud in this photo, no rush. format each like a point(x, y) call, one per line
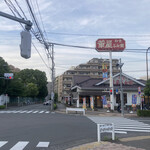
point(96, 17)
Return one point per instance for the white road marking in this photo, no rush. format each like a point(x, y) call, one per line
point(47, 112)
point(2, 143)
point(43, 144)
point(20, 145)
point(41, 112)
point(29, 111)
point(23, 111)
point(123, 124)
point(35, 112)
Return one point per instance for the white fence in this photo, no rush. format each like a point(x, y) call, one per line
point(75, 109)
point(108, 127)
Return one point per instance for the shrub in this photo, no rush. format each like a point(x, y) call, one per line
point(55, 106)
point(2, 106)
point(143, 113)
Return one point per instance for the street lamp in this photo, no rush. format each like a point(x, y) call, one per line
point(147, 61)
point(121, 90)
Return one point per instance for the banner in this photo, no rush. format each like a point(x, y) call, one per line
point(92, 102)
point(84, 102)
point(104, 100)
point(134, 100)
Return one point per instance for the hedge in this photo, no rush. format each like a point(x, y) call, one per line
point(143, 113)
point(2, 106)
point(55, 106)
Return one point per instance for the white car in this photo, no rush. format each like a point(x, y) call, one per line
point(47, 102)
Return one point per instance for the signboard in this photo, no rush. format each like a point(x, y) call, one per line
point(104, 101)
point(105, 75)
point(114, 45)
point(8, 75)
point(139, 90)
point(108, 127)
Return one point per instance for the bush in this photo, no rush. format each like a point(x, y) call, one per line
point(55, 106)
point(143, 113)
point(2, 106)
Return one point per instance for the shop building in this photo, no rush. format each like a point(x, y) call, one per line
point(96, 88)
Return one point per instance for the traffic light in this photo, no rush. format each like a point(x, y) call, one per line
point(110, 92)
point(25, 46)
point(8, 75)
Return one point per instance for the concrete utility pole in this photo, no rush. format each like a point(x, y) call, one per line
point(50, 55)
point(121, 90)
point(111, 82)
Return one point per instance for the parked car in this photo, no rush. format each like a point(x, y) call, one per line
point(47, 102)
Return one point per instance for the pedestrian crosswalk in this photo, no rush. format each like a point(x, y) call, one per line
point(122, 125)
point(25, 111)
point(20, 145)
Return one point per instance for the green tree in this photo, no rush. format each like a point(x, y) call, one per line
point(4, 68)
point(147, 88)
point(37, 77)
point(16, 88)
point(31, 90)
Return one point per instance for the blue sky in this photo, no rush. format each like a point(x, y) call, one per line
point(129, 19)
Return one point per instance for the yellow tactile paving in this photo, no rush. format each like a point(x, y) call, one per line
point(134, 138)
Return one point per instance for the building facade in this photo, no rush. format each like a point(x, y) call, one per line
point(99, 88)
point(95, 68)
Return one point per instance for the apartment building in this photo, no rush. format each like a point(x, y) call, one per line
point(93, 68)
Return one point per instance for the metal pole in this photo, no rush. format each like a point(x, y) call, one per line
point(147, 62)
point(121, 91)
point(27, 22)
point(111, 82)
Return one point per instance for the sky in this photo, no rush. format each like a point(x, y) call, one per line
point(79, 23)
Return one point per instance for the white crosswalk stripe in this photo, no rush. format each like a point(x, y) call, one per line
point(122, 124)
point(43, 144)
point(20, 145)
point(2, 143)
point(25, 111)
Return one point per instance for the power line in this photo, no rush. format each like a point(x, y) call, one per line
point(79, 34)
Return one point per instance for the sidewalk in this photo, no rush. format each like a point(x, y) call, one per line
point(100, 112)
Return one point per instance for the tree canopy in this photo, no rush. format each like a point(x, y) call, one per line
point(147, 88)
point(26, 83)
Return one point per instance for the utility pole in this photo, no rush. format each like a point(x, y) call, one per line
point(111, 82)
point(121, 90)
point(147, 61)
point(50, 55)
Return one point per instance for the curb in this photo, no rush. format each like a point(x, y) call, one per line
point(103, 146)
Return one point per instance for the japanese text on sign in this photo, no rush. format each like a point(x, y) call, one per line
point(110, 45)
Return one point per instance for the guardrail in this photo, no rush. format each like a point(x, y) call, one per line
point(76, 110)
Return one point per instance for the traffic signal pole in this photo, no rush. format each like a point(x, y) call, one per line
point(27, 22)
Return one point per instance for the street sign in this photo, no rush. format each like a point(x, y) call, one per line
point(114, 45)
point(8, 75)
point(139, 90)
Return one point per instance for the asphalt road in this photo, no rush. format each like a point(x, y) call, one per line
point(33, 125)
point(60, 130)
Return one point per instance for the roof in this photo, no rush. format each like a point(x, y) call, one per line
point(98, 83)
